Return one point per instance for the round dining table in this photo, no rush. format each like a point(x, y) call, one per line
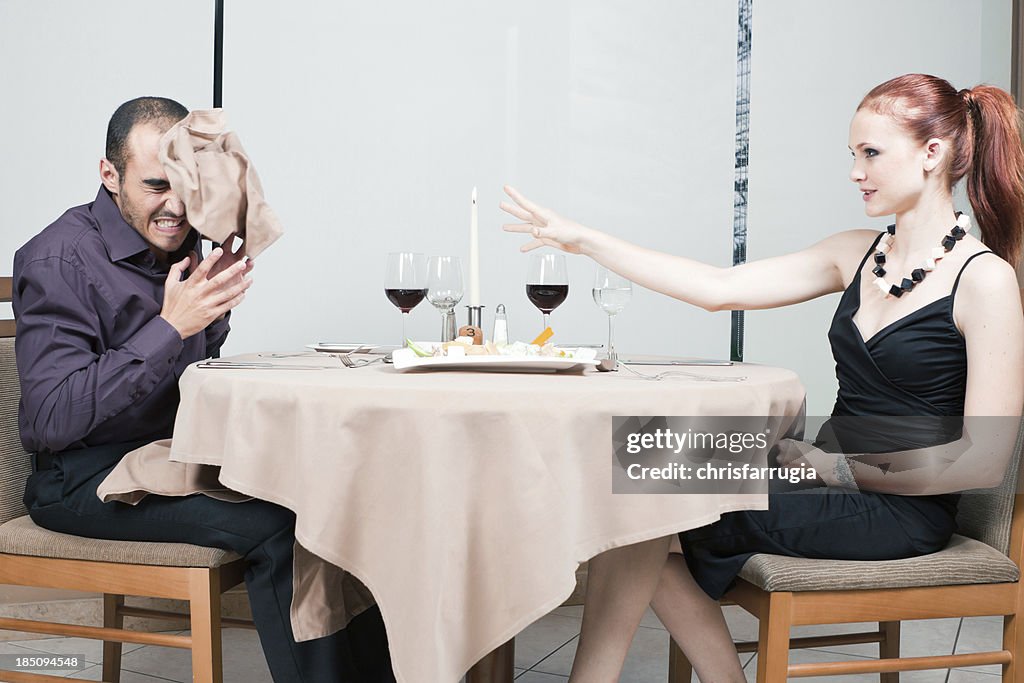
point(464, 501)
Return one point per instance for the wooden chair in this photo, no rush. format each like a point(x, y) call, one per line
point(978, 574)
point(32, 556)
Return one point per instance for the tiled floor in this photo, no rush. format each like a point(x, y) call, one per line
point(544, 651)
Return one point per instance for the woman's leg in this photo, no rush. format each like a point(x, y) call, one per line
point(620, 585)
point(697, 624)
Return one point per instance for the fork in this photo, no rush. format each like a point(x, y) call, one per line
point(350, 362)
point(682, 373)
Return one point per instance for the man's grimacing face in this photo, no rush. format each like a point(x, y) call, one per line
point(144, 195)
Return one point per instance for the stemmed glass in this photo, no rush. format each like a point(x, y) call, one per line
point(611, 293)
point(405, 283)
point(547, 282)
point(444, 290)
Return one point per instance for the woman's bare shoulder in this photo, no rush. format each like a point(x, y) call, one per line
point(846, 249)
point(988, 293)
point(988, 275)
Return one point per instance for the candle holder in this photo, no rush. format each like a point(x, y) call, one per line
point(476, 315)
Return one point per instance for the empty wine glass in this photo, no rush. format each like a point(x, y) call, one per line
point(405, 282)
point(547, 282)
point(611, 293)
point(444, 290)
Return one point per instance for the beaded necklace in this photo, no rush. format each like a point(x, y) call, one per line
point(963, 224)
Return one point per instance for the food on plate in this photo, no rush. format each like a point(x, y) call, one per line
point(543, 336)
point(417, 350)
point(464, 346)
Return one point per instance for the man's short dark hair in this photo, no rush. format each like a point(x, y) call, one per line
point(158, 110)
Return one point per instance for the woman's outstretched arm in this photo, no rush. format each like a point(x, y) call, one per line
point(768, 283)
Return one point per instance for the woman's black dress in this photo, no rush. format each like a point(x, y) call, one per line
point(917, 366)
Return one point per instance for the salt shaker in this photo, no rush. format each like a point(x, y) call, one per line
point(500, 335)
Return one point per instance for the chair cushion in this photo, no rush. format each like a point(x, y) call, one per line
point(963, 561)
point(21, 536)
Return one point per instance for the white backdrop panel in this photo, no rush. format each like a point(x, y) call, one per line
point(370, 124)
point(65, 66)
point(811, 68)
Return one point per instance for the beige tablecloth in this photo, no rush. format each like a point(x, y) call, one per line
point(464, 501)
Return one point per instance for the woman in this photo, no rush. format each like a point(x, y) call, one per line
point(917, 333)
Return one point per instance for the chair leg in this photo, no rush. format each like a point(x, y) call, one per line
point(889, 648)
point(112, 650)
point(679, 668)
point(1013, 641)
point(773, 639)
point(496, 667)
point(204, 606)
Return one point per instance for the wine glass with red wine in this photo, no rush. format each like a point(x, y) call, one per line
point(405, 282)
point(547, 282)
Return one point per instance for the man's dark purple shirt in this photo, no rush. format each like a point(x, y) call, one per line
point(97, 363)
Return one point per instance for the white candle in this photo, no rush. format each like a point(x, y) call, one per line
point(474, 256)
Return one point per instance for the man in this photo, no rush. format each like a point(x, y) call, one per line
point(113, 302)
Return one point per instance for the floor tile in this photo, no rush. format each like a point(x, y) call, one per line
point(569, 611)
point(933, 676)
point(968, 676)
point(807, 656)
point(919, 638)
point(542, 637)
point(651, 620)
point(560, 661)
point(537, 677)
point(92, 650)
point(742, 624)
point(926, 637)
point(95, 673)
point(981, 634)
point(242, 655)
point(647, 659)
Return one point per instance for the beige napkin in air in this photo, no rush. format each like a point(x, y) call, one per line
point(210, 171)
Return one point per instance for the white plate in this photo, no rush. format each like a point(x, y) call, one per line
point(341, 347)
point(405, 360)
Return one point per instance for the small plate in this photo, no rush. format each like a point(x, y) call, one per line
point(342, 347)
point(405, 360)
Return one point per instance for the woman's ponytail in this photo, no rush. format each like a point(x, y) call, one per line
point(995, 180)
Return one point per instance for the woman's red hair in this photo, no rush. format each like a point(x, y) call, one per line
point(984, 127)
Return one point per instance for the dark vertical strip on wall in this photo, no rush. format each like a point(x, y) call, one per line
point(1017, 53)
point(218, 53)
point(739, 215)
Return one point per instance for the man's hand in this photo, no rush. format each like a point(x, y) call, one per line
point(206, 294)
point(230, 257)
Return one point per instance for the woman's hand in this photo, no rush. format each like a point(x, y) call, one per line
point(547, 227)
point(796, 454)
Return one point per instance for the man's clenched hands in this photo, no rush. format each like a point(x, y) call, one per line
point(206, 294)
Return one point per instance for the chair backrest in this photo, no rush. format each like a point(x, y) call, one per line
point(15, 465)
point(996, 517)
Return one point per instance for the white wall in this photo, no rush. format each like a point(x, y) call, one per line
point(811, 67)
point(373, 125)
point(65, 66)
